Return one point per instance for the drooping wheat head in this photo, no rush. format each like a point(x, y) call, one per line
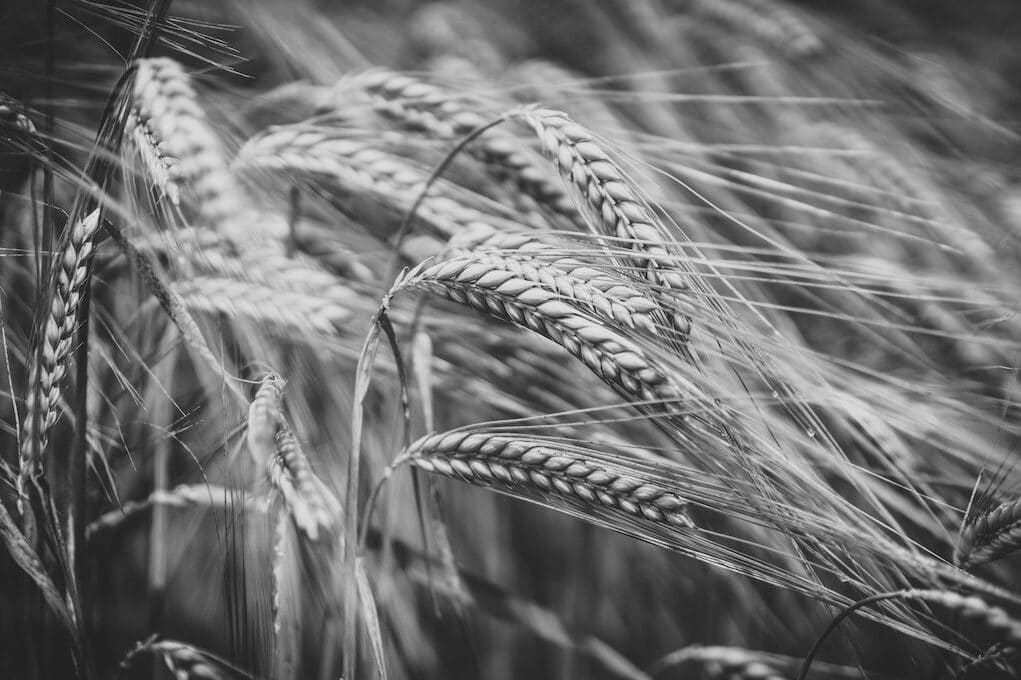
point(281, 310)
point(176, 141)
point(993, 619)
point(619, 361)
point(312, 507)
point(374, 186)
point(772, 22)
point(423, 107)
point(265, 415)
point(619, 210)
point(183, 660)
point(561, 268)
point(532, 468)
point(278, 453)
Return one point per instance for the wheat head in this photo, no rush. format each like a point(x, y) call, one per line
point(529, 467)
point(48, 368)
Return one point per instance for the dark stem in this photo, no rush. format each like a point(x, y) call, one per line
point(51, 116)
point(101, 170)
point(847, 611)
point(293, 217)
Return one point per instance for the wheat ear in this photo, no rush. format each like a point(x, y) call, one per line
point(421, 106)
point(990, 535)
point(48, 367)
point(157, 162)
point(769, 20)
point(264, 263)
point(310, 504)
point(12, 112)
point(620, 362)
point(539, 469)
point(620, 211)
point(276, 450)
point(182, 496)
point(733, 663)
point(166, 111)
point(265, 415)
point(975, 609)
point(280, 309)
point(357, 169)
point(184, 661)
point(581, 285)
point(994, 619)
point(538, 260)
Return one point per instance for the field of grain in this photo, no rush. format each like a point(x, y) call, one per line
point(509, 339)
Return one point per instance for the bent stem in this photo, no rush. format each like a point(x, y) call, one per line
point(850, 609)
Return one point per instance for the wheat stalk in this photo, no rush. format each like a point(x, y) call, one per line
point(989, 535)
point(536, 468)
point(48, 367)
point(176, 310)
point(286, 600)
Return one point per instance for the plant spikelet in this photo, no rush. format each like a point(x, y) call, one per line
point(48, 368)
point(529, 468)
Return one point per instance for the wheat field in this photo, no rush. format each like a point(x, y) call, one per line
point(613, 339)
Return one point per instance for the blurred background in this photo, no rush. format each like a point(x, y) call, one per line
point(881, 134)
